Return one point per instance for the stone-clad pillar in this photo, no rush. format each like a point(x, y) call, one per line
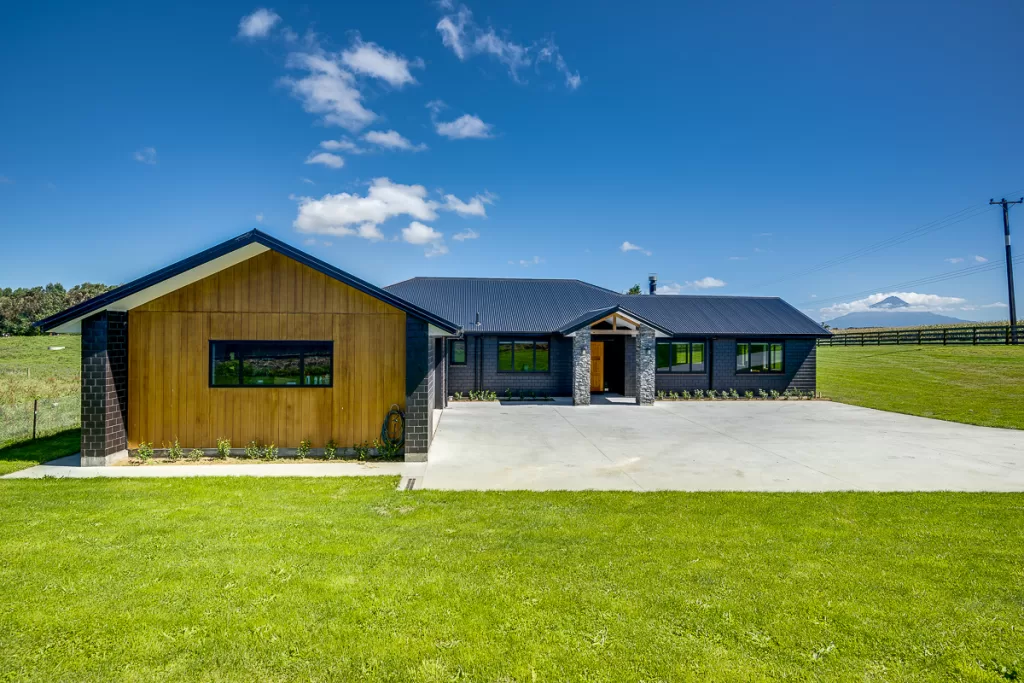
point(645, 366)
point(104, 388)
point(581, 367)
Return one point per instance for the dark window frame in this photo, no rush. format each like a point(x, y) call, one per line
point(451, 352)
point(272, 342)
point(769, 343)
point(689, 355)
point(522, 340)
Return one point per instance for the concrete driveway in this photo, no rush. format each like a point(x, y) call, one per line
point(735, 446)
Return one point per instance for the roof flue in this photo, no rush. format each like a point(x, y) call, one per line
point(652, 283)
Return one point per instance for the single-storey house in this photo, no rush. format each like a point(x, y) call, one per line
point(255, 340)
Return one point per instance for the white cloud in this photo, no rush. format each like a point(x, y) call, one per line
point(424, 235)
point(257, 24)
point(343, 145)
point(351, 214)
point(307, 181)
point(146, 155)
point(997, 304)
point(981, 259)
point(460, 33)
point(474, 207)
point(328, 89)
point(526, 263)
point(467, 234)
point(918, 302)
point(627, 247)
point(955, 259)
point(259, 218)
point(392, 140)
point(706, 283)
point(326, 159)
point(436, 106)
point(671, 287)
point(466, 126)
point(373, 60)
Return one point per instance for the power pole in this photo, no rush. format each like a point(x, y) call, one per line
point(1009, 263)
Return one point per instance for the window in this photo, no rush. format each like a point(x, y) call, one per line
point(457, 352)
point(524, 355)
point(760, 357)
point(271, 363)
point(679, 356)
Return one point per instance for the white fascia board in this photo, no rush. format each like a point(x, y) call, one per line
point(180, 280)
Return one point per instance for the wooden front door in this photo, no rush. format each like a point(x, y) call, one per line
point(596, 366)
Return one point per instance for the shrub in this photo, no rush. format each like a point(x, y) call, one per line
point(268, 452)
point(144, 452)
point(330, 449)
point(712, 394)
point(761, 393)
point(386, 449)
point(175, 452)
point(698, 393)
point(788, 393)
point(304, 448)
point(223, 449)
point(748, 394)
point(253, 450)
point(196, 454)
point(774, 394)
point(673, 395)
point(661, 395)
point(457, 396)
point(508, 393)
point(686, 395)
point(492, 395)
point(362, 451)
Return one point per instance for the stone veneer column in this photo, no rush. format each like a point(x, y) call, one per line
point(104, 388)
point(581, 367)
point(419, 389)
point(645, 366)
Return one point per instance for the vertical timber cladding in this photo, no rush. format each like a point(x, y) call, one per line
point(267, 297)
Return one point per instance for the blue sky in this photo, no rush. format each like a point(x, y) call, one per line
point(734, 145)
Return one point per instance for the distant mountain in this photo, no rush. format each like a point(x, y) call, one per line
point(890, 303)
point(891, 318)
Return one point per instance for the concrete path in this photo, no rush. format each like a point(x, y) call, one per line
point(68, 467)
point(712, 446)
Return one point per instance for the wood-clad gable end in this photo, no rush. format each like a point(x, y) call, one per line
point(267, 297)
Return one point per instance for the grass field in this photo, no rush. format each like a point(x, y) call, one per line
point(982, 385)
point(28, 370)
point(328, 579)
point(29, 453)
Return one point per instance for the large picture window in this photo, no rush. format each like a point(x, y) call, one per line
point(524, 355)
point(271, 363)
point(457, 352)
point(760, 357)
point(680, 356)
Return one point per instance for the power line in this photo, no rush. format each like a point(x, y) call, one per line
point(941, 277)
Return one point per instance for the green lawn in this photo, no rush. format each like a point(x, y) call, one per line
point(347, 579)
point(29, 370)
point(982, 385)
point(29, 453)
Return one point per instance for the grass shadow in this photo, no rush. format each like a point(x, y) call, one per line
point(26, 454)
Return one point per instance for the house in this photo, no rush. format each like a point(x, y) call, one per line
point(255, 340)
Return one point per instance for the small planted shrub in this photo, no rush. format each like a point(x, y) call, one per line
point(330, 450)
point(196, 454)
point(761, 393)
point(175, 452)
point(144, 452)
point(305, 446)
point(733, 393)
point(774, 394)
point(385, 449)
point(748, 394)
point(673, 395)
point(712, 394)
point(698, 393)
point(661, 395)
point(492, 395)
point(268, 452)
point(788, 393)
point(223, 449)
point(686, 395)
point(362, 451)
point(253, 450)
point(457, 396)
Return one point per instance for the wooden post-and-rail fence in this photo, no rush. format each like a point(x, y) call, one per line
point(945, 336)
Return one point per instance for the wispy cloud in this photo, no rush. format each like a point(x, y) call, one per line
point(467, 234)
point(465, 127)
point(981, 259)
point(464, 37)
point(527, 263)
point(955, 259)
point(997, 304)
point(259, 218)
point(258, 24)
point(307, 181)
point(342, 145)
point(627, 247)
point(391, 139)
point(328, 89)
point(146, 155)
point(918, 302)
point(737, 258)
point(325, 159)
point(371, 59)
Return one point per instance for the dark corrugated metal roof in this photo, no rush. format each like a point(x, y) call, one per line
point(545, 306)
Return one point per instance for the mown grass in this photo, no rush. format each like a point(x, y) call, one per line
point(982, 385)
point(30, 453)
point(347, 579)
point(29, 370)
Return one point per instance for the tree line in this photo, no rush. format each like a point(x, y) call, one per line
point(21, 307)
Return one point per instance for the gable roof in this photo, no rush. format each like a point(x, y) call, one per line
point(515, 305)
point(212, 260)
point(591, 317)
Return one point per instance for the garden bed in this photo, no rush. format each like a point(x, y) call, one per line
point(733, 395)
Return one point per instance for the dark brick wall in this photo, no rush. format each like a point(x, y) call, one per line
point(419, 386)
point(799, 363)
point(440, 385)
point(104, 384)
point(465, 378)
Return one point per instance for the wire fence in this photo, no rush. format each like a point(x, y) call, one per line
point(942, 336)
point(41, 417)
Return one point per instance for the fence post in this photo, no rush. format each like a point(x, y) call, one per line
point(943, 337)
point(35, 416)
point(974, 340)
